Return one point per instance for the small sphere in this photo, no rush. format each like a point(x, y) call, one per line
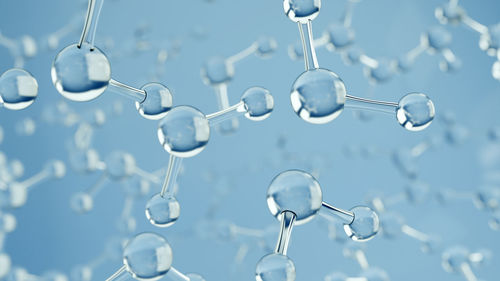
point(318, 96)
point(29, 46)
point(352, 55)
point(437, 39)
point(301, 10)
point(216, 71)
point(295, 191)
point(340, 36)
point(5, 265)
point(162, 211)
point(382, 72)
point(450, 13)
point(195, 277)
point(275, 267)
point(404, 63)
point(55, 168)
point(120, 165)
point(81, 74)
point(8, 222)
point(18, 194)
point(82, 202)
point(364, 226)
point(86, 160)
point(453, 258)
point(258, 103)
point(495, 70)
point(147, 256)
point(18, 89)
point(157, 103)
point(184, 131)
point(450, 65)
point(415, 111)
point(266, 46)
point(295, 51)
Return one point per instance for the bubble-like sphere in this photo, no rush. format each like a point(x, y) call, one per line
point(453, 258)
point(352, 55)
point(216, 71)
point(437, 38)
point(301, 10)
point(184, 132)
point(266, 46)
point(450, 13)
point(340, 36)
point(318, 96)
point(147, 256)
point(16, 194)
point(18, 89)
point(415, 111)
point(8, 222)
point(82, 202)
point(404, 63)
point(55, 168)
point(162, 211)
point(365, 224)
point(81, 74)
point(375, 274)
point(157, 103)
point(258, 103)
point(295, 191)
point(195, 277)
point(275, 267)
point(120, 165)
point(382, 72)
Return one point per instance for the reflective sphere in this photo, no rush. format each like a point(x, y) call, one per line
point(449, 13)
point(157, 103)
point(184, 132)
point(495, 70)
point(364, 225)
point(258, 103)
point(415, 111)
point(318, 96)
point(275, 267)
point(81, 74)
point(340, 36)
point(295, 191)
point(120, 165)
point(301, 10)
point(352, 55)
point(382, 72)
point(162, 211)
point(437, 38)
point(217, 70)
point(18, 89)
point(147, 256)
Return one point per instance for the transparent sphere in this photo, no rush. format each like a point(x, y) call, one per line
point(29, 46)
point(375, 274)
point(340, 36)
point(8, 222)
point(55, 168)
point(195, 277)
point(258, 103)
point(184, 132)
point(301, 10)
point(436, 38)
point(120, 165)
point(364, 226)
point(81, 74)
point(5, 264)
point(81, 202)
point(147, 256)
point(86, 160)
point(382, 72)
point(275, 267)
point(216, 71)
point(162, 211)
point(404, 63)
point(390, 224)
point(266, 46)
point(453, 258)
point(352, 55)
point(449, 13)
point(16, 194)
point(157, 103)
point(18, 89)
point(81, 273)
point(295, 191)
point(415, 111)
point(495, 70)
point(336, 276)
point(417, 192)
point(318, 96)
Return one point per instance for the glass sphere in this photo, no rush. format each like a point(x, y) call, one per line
point(404, 63)
point(217, 70)
point(449, 13)
point(436, 38)
point(81, 74)
point(301, 10)
point(162, 211)
point(157, 103)
point(352, 55)
point(415, 111)
point(364, 226)
point(454, 257)
point(490, 41)
point(295, 191)
point(495, 70)
point(275, 267)
point(18, 89)
point(8, 222)
point(120, 165)
point(266, 46)
point(184, 131)
point(82, 202)
point(55, 168)
point(147, 256)
point(17, 194)
point(318, 96)
point(258, 103)
point(340, 36)
point(382, 72)
point(195, 277)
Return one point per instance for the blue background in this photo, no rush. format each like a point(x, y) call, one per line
point(50, 235)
